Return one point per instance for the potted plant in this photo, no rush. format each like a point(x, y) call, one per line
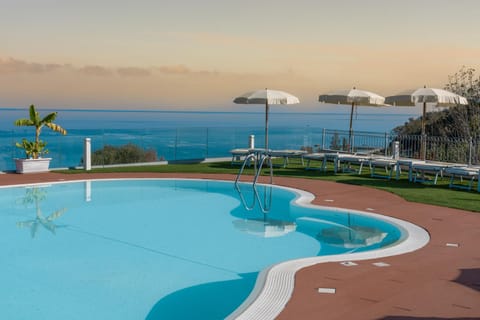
point(35, 149)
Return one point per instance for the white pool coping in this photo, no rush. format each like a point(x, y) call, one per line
point(274, 285)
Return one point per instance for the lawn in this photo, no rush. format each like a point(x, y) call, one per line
point(439, 194)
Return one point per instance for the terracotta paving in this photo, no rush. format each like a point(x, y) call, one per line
point(439, 281)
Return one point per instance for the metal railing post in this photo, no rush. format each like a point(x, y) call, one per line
point(470, 150)
point(206, 151)
point(176, 143)
point(323, 139)
point(352, 142)
point(386, 145)
point(87, 154)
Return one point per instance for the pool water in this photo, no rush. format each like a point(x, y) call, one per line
point(157, 249)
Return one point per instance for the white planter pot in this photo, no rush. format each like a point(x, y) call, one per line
point(32, 165)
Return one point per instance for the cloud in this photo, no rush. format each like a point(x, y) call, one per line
point(134, 72)
point(12, 65)
point(96, 71)
point(181, 69)
point(16, 66)
point(176, 69)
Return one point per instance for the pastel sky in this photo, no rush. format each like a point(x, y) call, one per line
point(201, 54)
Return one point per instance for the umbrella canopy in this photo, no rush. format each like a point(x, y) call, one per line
point(437, 97)
point(266, 97)
point(355, 97)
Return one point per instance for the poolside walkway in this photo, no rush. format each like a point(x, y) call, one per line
point(439, 281)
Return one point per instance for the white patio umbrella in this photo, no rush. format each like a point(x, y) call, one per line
point(355, 97)
point(436, 97)
point(266, 97)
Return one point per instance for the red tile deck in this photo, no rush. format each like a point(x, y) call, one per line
point(438, 281)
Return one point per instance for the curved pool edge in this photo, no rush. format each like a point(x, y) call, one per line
point(274, 286)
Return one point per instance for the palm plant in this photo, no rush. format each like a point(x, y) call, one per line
point(34, 149)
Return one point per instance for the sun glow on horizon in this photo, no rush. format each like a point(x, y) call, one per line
point(155, 55)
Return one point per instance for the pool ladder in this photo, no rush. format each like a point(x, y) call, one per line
point(259, 157)
point(265, 205)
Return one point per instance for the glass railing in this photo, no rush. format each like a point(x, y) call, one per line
point(181, 144)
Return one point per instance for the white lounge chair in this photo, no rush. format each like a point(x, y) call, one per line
point(318, 156)
point(388, 164)
point(461, 173)
point(288, 154)
point(422, 170)
point(407, 163)
point(238, 155)
point(344, 161)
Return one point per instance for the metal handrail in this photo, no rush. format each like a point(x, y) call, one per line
point(260, 156)
point(265, 206)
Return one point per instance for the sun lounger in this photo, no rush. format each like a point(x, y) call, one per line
point(341, 161)
point(406, 163)
point(388, 164)
point(238, 155)
point(344, 161)
point(288, 154)
point(461, 173)
point(422, 170)
point(333, 157)
point(320, 156)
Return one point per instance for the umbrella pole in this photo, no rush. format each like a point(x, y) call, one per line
point(350, 131)
point(423, 149)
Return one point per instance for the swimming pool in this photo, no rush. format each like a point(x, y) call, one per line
point(155, 248)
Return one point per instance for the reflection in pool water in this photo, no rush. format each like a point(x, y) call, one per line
point(352, 236)
point(266, 227)
point(132, 249)
point(35, 195)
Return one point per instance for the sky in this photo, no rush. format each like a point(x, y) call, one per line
point(190, 54)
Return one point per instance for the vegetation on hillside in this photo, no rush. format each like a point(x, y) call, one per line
point(456, 122)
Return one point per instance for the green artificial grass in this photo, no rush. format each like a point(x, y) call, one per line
point(439, 194)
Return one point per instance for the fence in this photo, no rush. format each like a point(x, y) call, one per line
point(455, 150)
point(201, 143)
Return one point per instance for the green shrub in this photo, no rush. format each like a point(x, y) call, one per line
point(128, 153)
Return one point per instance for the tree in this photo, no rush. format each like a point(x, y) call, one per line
point(466, 119)
point(465, 84)
point(37, 147)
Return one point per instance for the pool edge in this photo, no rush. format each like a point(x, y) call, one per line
point(274, 286)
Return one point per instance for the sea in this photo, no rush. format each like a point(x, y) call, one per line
point(176, 135)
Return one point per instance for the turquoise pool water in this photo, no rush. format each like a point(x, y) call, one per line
point(157, 249)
